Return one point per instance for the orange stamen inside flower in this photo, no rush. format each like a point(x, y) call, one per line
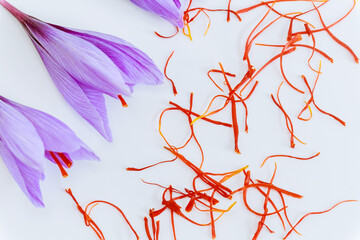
point(62, 170)
point(66, 160)
point(123, 102)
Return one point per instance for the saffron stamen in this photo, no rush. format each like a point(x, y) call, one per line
point(171, 36)
point(288, 156)
point(165, 73)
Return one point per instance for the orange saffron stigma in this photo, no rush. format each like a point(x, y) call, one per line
point(66, 160)
point(171, 36)
point(58, 163)
point(288, 156)
point(90, 222)
point(165, 73)
point(123, 102)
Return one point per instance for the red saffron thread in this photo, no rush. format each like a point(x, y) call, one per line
point(171, 36)
point(289, 156)
point(317, 213)
point(90, 222)
point(122, 100)
point(60, 166)
point(165, 73)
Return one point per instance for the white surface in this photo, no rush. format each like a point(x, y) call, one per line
point(330, 178)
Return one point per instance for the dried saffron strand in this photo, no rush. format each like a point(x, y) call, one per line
point(289, 124)
point(157, 230)
point(215, 10)
point(295, 39)
point(263, 67)
point(308, 30)
point(175, 208)
point(232, 93)
point(193, 133)
point(331, 25)
point(285, 213)
point(290, 32)
point(317, 213)
point(147, 230)
point(233, 112)
point(245, 188)
point(267, 185)
point(228, 99)
point(333, 36)
point(229, 8)
point(198, 10)
point(208, 17)
point(163, 136)
point(262, 30)
point(88, 221)
point(251, 91)
point(213, 232)
point(248, 9)
point(172, 214)
point(292, 18)
point(150, 166)
point(197, 115)
point(263, 218)
point(206, 114)
point(218, 71)
point(289, 156)
point(310, 112)
point(189, 31)
point(215, 209)
point(299, 45)
point(217, 96)
point(312, 100)
point(171, 36)
point(117, 208)
point(226, 176)
point(209, 24)
point(160, 119)
point(221, 189)
point(272, 204)
point(165, 73)
point(247, 44)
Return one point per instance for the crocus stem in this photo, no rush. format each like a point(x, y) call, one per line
point(14, 11)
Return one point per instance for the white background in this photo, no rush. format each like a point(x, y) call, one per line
point(330, 178)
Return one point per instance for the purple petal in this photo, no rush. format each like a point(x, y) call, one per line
point(79, 58)
point(56, 136)
point(26, 177)
point(92, 108)
point(167, 9)
point(20, 136)
point(83, 153)
point(177, 3)
point(135, 65)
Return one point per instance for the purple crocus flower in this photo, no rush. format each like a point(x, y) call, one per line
point(167, 9)
point(28, 138)
point(86, 65)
